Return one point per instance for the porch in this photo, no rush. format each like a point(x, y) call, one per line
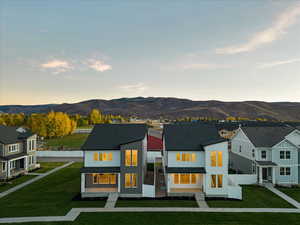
point(266, 172)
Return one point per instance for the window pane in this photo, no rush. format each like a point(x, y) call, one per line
point(110, 156)
point(193, 178)
point(127, 180)
point(134, 157)
point(96, 156)
point(95, 178)
point(176, 178)
point(213, 159)
point(281, 171)
point(220, 181)
point(184, 178)
point(183, 156)
point(133, 180)
point(104, 178)
point(178, 157)
point(188, 157)
point(194, 157)
point(288, 171)
point(281, 154)
point(104, 156)
point(128, 158)
point(113, 179)
point(288, 154)
point(213, 181)
point(101, 156)
point(220, 159)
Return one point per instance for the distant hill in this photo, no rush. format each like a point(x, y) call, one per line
point(153, 107)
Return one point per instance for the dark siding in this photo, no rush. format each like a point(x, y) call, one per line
point(138, 170)
point(240, 163)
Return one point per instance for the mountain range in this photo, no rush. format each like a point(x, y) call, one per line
point(156, 107)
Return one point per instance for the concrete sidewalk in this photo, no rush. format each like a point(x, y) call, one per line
point(18, 187)
point(75, 212)
point(283, 196)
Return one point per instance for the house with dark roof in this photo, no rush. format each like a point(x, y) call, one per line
point(154, 145)
point(115, 161)
point(270, 152)
point(17, 151)
point(196, 161)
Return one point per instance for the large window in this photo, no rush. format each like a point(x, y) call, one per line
point(285, 171)
point(186, 157)
point(263, 154)
point(3, 166)
point(13, 148)
point(217, 181)
point(104, 178)
point(216, 159)
point(185, 178)
point(103, 156)
point(285, 154)
point(130, 180)
point(131, 157)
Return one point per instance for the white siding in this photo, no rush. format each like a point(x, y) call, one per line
point(294, 138)
point(223, 147)
point(90, 162)
point(241, 142)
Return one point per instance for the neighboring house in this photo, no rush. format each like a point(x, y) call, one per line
point(270, 152)
point(115, 160)
point(17, 151)
point(196, 160)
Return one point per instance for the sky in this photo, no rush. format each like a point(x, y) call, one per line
point(71, 51)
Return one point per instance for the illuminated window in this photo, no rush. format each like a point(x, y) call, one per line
point(130, 180)
point(104, 156)
point(131, 157)
point(176, 179)
point(213, 159)
point(110, 157)
point(217, 181)
point(216, 159)
point(104, 178)
point(178, 157)
point(220, 159)
point(194, 157)
point(193, 178)
point(96, 156)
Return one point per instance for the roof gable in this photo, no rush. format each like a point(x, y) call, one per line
point(266, 136)
point(111, 136)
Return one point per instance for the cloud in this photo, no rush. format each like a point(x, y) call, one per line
point(98, 65)
point(273, 33)
point(278, 63)
point(139, 87)
point(204, 66)
point(57, 66)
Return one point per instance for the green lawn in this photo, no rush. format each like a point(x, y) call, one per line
point(53, 195)
point(70, 141)
point(47, 166)
point(293, 192)
point(14, 182)
point(156, 203)
point(184, 218)
point(253, 197)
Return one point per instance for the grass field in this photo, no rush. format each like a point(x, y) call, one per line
point(293, 192)
point(137, 218)
point(70, 141)
point(156, 203)
point(253, 197)
point(47, 166)
point(53, 195)
point(14, 182)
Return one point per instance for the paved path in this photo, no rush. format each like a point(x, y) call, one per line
point(200, 198)
point(282, 195)
point(75, 212)
point(13, 189)
point(111, 200)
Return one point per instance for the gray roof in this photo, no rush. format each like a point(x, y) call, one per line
point(267, 136)
point(111, 136)
point(185, 170)
point(266, 163)
point(192, 136)
point(10, 135)
point(100, 170)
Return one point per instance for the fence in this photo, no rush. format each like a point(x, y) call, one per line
point(59, 153)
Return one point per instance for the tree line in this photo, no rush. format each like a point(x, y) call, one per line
point(57, 124)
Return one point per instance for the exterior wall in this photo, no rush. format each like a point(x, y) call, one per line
point(90, 162)
point(241, 142)
point(59, 154)
point(1, 149)
point(2, 172)
point(223, 147)
point(240, 163)
point(268, 154)
point(292, 162)
point(294, 137)
point(139, 169)
point(151, 155)
point(172, 162)
point(243, 178)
